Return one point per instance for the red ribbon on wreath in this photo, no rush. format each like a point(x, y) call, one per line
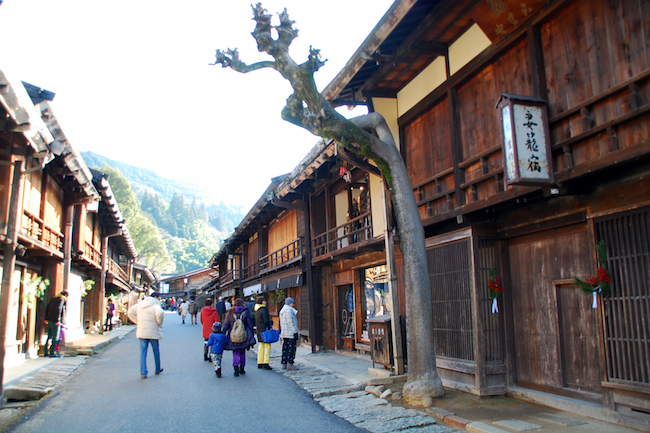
point(599, 283)
point(496, 289)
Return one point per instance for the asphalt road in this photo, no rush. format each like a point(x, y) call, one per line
point(107, 394)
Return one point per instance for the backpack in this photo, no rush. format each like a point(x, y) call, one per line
point(238, 333)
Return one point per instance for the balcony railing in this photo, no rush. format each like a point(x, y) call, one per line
point(356, 230)
point(92, 254)
point(285, 255)
point(229, 277)
point(115, 269)
point(282, 256)
point(251, 271)
point(36, 228)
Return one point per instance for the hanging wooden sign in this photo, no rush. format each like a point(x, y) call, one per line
point(526, 143)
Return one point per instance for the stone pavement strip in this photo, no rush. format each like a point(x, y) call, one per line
point(354, 403)
point(43, 381)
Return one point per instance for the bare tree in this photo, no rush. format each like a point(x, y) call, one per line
point(307, 108)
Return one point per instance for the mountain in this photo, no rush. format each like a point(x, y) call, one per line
point(224, 217)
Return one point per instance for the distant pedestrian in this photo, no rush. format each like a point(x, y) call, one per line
point(216, 344)
point(182, 309)
point(193, 310)
point(262, 323)
point(55, 314)
point(110, 311)
point(289, 333)
point(251, 306)
point(228, 306)
point(239, 313)
point(209, 315)
point(221, 309)
point(148, 315)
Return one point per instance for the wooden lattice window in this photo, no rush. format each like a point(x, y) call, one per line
point(493, 338)
point(627, 307)
point(450, 274)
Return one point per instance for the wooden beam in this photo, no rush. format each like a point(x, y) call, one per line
point(355, 160)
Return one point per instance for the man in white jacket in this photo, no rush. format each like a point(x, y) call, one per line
point(289, 333)
point(148, 315)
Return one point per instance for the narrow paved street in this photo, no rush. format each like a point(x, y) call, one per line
point(107, 394)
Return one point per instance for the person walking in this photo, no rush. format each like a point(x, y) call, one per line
point(289, 333)
point(262, 323)
point(55, 314)
point(236, 318)
point(110, 311)
point(209, 315)
point(148, 316)
point(182, 309)
point(216, 344)
point(193, 310)
point(221, 309)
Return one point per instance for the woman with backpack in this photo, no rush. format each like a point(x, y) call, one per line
point(239, 328)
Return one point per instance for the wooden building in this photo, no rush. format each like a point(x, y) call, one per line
point(60, 225)
point(524, 127)
point(268, 253)
point(186, 285)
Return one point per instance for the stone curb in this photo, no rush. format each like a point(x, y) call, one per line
point(24, 410)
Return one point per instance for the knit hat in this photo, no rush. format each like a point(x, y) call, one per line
point(216, 326)
point(289, 301)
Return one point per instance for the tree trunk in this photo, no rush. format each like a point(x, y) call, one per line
point(307, 108)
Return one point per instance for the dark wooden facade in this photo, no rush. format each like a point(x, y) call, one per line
point(55, 225)
point(588, 61)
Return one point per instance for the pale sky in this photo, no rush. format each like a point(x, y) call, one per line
point(133, 82)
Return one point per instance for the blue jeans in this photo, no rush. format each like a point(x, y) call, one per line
point(144, 348)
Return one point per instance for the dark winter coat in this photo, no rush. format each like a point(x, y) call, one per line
point(55, 311)
point(262, 320)
point(208, 316)
point(248, 323)
point(221, 307)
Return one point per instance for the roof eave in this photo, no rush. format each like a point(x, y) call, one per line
point(382, 30)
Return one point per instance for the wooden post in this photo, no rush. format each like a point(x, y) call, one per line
point(396, 325)
point(9, 261)
point(311, 290)
point(67, 245)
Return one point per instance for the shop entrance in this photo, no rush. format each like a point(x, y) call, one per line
point(346, 317)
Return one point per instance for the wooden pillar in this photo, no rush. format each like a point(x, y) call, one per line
point(101, 292)
point(9, 261)
point(67, 245)
point(456, 149)
point(311, 289)
point(396, 323)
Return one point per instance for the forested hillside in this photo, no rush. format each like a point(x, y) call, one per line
point(173, 230)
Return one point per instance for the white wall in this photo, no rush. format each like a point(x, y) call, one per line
point(433, 76)
point(387, 107)
point(341, 203)
point(74, 326)
point(377, 205)
point(469, 45)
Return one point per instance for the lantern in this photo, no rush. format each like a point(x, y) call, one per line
point(526, 143)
